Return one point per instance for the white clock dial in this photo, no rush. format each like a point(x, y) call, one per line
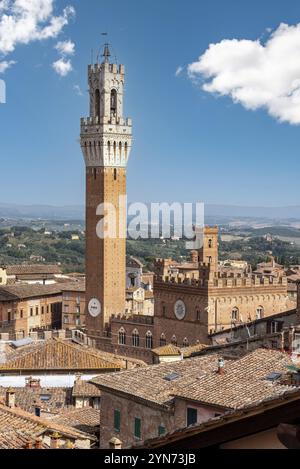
point(94, 307)
point(179, 310)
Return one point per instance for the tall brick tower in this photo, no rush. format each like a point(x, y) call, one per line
point(106, 143)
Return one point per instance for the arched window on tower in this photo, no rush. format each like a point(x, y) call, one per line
point(149, 340)
point(108, 148)
point(162, 340)
point(174, 340)
point(97, 103)
point(126, 149)
point(115, 174)
point(135, 338)
point(210, 243)
point(122, 336)
point(113, 102)
point(115, 149)
point(185, 342)
point(120, 149)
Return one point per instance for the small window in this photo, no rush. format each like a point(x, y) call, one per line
point(235, 314)
point(210, 243)
point(21, 314)
point(117, 420)
point(185, 342)
point(174, 340)
point(259, 312)
point(122, 336)
point(135, 338)
point(161, 430)
point(37, 311)
point(31, 311)
point(162, 340)
point(191, 416)
point(137, 428)
point(42, 310)
point(95, 173)
point(45, 397)
point(164, 310)
point(149, 340)
point(115, 174)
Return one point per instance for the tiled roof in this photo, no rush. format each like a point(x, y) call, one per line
point(16, 439)
point(27, 424)
point(83, 388)
point(55, 354)
point(23, 291)
point(242, 383)
point(150, 384)
point(74, 286)
point(28, 398)
point(188, 351)
point(32, 269)
point(168, 350)
point(85, 419)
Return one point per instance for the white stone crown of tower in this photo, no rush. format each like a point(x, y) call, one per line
point(106, 137)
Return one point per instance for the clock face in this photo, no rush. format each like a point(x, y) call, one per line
point(179, 310)
point(94, 307)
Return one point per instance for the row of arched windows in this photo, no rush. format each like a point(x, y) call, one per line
point(163, 341)
point(135, 338)
point(113, 102)
point(113, 145)
point(235, 314)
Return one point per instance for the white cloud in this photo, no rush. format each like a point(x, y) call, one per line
point(254, 74)
point(78, 90)
point(6, 64)
point(178, 71)
point(65, 47)
point(63, 67)
point(24, 21)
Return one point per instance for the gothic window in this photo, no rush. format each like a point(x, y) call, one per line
point(198, 314)
point(185, 342)
point(235, 314)
point(120, 148)
point(113, 101)
point(163, 340)
point(115, 174)
point(135, 338)
point(97, 103)
point(115, 149)
point(108, 147)
point(149, 340)
point(174, 340)
point(122, 336)
point(210, 243)
point(259, 312)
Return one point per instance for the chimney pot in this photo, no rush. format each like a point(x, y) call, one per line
point(38, 443)
point(221, 365)
point(10, 398)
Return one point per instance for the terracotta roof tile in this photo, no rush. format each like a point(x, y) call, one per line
point(243, 382)
point(22, 291)
point(85, 419)
point(33, 269)
point(83, 388)
point(55, 354)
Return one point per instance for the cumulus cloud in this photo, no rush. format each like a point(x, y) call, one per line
point(65, 47)
point(62, 67)
point(255, 74)
point(24, 21)
point(6, 64)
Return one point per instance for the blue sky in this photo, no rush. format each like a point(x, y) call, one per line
point(189, 145)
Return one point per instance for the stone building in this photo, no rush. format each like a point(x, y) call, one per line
point(73, 305)
point(25, 308)
point(159, 399)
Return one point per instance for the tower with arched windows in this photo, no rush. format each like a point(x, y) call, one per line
point(106, 138)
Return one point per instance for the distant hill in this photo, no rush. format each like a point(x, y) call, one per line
point(213, 213)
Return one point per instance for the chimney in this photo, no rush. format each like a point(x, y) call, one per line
point(28, 445)
point(221, 365)
point(115, 443)
point(10, 398)
point(38, 443)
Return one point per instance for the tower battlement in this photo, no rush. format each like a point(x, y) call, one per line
point(223, 280)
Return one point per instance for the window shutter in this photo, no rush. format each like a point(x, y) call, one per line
point(117, 420)
point(137, 428)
